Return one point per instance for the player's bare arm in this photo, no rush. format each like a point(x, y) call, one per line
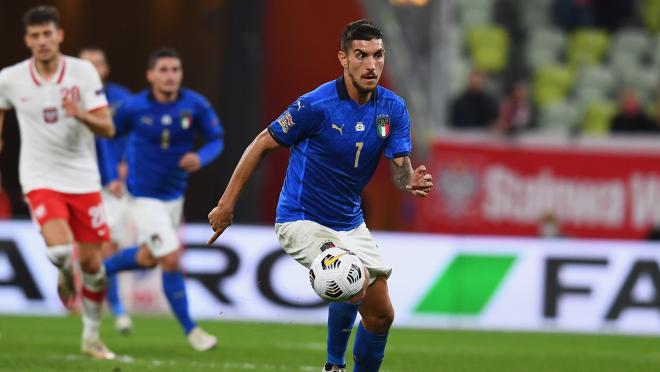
point(417, 182)
point(221, 216)
point(98, 121)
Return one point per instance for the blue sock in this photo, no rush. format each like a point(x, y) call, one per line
point(175, 291)
point(112, 295)
point(125, 259)
point(341, 317)
point(369, 350)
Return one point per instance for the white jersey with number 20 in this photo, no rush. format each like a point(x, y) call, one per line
point(57, 151)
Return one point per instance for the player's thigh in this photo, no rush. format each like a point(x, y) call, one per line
point(49, 211)
point(376, 309)
point(154, 225)
point(303, 240)
point(88, 218)
point(360, 242)
point(175, 211)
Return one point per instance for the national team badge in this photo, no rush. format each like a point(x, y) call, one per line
point(383, 126)
point(50, 115)
point(186, 119)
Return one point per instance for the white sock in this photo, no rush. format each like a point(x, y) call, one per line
point(92, 299)
point(60, 255)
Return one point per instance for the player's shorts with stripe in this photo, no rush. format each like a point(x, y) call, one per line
point(84, 213)
point(303, 240)
point(157, 222)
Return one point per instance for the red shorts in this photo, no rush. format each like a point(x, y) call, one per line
point(85, 213)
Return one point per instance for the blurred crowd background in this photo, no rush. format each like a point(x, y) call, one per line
point(503, 73)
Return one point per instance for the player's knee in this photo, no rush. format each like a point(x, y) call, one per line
point(145, 258)
point(170, 262)
point(379, 321)
point(90, 264)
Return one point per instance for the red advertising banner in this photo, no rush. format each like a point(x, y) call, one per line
point(510, 189)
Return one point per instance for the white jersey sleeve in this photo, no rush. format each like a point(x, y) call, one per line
point(5, 104)
point(92, 95)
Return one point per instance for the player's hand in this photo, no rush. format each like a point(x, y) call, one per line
point(116, 188)
point(420, 183)
point(190, 162)
point(220, 219)
point(71, 108)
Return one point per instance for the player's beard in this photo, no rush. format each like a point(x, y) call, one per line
point(362, 91)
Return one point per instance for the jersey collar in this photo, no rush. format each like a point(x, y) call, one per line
point(57, 77)
point(343, 92)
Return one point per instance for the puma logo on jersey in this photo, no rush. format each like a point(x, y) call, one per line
point(339, 129)
point(300, 105)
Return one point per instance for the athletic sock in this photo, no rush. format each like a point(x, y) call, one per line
point(60, 255)
point(125, 259)
point(175, 291)
point(369, 350)
point(341, 317)
point(112, 295)
point(92, 299)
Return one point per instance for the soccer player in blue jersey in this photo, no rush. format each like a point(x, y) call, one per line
point(163, 123)
point(109, 153)
point(337, 134)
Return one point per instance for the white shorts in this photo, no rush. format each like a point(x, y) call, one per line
point(303, 240)
point(118, 217)
point(157, 222)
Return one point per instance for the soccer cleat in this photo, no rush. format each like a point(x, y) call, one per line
point(333, 368)
point(200, 340)
point(66, 287)
point(123, 324)
point(96, 349)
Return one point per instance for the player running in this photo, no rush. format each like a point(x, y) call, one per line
point(110, 153)
point(337, 134)
point(163, 123)
point(60, 105)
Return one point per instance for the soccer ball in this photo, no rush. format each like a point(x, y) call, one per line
point(337, 274)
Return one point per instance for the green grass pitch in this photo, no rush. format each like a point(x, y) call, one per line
point(52, 344)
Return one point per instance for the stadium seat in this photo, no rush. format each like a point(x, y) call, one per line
point(551, 84)
point(655, 57)
point(489, 47)
point(630, 41)
point(651, 14)
point(587, 47)
point(598, 117)
point(459, 70)
point(535, 13)
point(560, 117)
point(643, 79)
point(595, 78)
point(544, 46)
point(475, 12)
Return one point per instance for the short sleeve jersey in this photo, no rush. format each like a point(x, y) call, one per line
point(57, 151)
point(336, 145)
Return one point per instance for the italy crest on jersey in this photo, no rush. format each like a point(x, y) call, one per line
point(383, 127)
point(186, 119)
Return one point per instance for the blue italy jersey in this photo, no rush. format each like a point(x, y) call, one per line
point(335, 147)
point(109, 151)
point(159, 134)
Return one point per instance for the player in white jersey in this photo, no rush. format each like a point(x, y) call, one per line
point(60, 106)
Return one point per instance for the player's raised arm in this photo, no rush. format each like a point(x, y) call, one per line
point(221, 216)
point(417, 182)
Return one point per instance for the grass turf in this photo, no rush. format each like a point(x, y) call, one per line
point(52, 344)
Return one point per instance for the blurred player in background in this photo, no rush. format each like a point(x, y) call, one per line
point(337, 134)
point(110, 154)
point(163, 123)
point(60, 105)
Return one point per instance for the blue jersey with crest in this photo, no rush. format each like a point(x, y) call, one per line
point(109, 151)
point(336, 145)
point(159, 134)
